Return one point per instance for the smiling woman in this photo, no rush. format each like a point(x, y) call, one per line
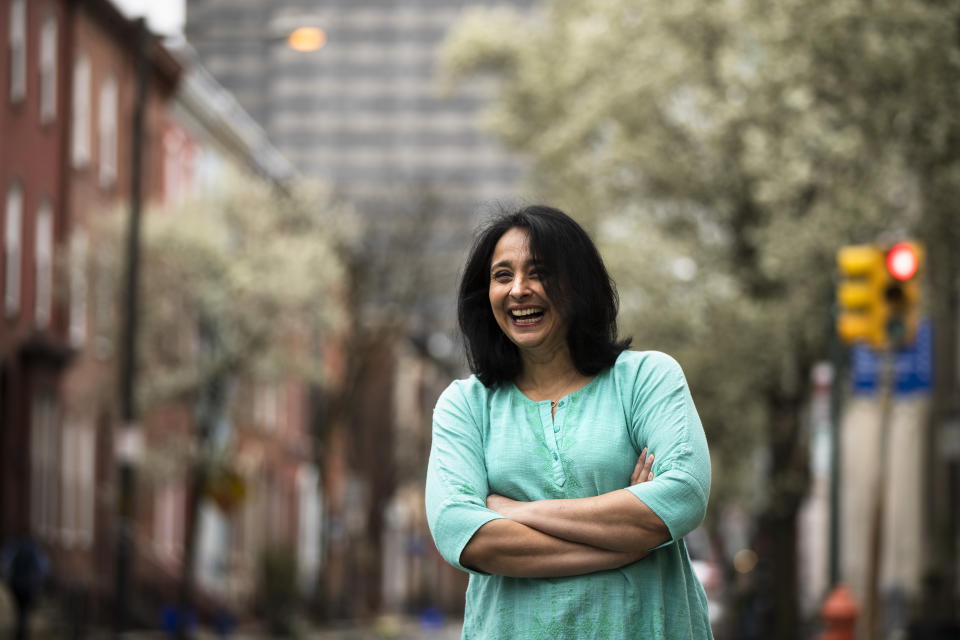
point(542, 481)
point(545, 247)
point(519, 302)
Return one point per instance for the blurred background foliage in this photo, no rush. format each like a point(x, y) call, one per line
point(207, 259)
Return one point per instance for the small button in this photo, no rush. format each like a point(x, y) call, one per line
point(554, 456)
point(556, 428)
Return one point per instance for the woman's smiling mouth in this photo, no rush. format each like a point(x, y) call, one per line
point(526, 316)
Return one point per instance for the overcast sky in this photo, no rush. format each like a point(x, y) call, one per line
point(163, 16)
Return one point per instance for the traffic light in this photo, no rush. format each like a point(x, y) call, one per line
point(879, 294)
point(904, 262)
point(862, 314)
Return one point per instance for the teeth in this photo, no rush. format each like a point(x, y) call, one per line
point(524, 312)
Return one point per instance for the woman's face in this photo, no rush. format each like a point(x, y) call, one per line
point(518, 298)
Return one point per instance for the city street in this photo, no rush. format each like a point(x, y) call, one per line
point(297, 297)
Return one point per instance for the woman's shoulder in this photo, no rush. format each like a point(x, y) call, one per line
point(638, 370)
point(465, 391)
point(630, 361)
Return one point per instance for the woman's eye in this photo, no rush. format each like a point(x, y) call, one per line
point(501, 276)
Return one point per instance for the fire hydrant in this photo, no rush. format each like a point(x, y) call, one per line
point(839, 614)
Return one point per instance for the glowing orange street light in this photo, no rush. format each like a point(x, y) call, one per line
point(307, 39)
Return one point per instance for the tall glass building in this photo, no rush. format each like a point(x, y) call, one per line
point(362, 112)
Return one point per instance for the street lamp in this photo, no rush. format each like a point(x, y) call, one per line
point(307, 39)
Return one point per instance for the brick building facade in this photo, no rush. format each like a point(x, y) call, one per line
point(68, 78)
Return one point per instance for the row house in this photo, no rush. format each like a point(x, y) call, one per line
point(414, 575)
point(68, 83)
point(210, 140)
point(34, 342)
point(67, 99)
point(79, 475)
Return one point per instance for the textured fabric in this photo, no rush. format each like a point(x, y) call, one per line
point(497, 440)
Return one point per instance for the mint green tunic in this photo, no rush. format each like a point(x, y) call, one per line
point(496, 440)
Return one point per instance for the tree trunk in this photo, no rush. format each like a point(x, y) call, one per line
point(777, 526)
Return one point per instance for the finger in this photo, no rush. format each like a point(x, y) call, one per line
point(638, 468)
point(647, 471)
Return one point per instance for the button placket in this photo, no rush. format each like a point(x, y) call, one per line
point(551, 426)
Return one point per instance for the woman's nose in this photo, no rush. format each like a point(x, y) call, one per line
point(520, 287)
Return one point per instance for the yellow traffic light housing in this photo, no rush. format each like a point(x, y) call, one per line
point(879, 294)
point(862, 315)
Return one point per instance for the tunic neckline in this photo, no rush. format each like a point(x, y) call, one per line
point(572, 394)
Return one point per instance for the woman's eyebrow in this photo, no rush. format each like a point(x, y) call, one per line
point(507, 263)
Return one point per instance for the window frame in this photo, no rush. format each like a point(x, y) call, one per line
point(82, 103)
point(48, 70)
point(79, 287)
point(107, 110)
point(43, 264)
point(18, 51)
point(12, 248)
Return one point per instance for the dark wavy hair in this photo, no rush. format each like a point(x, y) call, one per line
point(576, 281)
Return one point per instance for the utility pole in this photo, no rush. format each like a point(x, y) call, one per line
point(129, 438)
point(871, 610)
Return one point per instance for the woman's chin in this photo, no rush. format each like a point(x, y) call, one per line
point(532, 341)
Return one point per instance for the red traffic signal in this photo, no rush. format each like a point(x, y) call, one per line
point(903, 261)
point(878, 293)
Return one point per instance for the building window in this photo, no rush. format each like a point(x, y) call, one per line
point(310, 527)
point(266, 407)
point(18, 50)
point(104, 305)
point(12, 226)
point(78, 462)
point(43, 264)
point(45, 462)
point(48, 70)
point(107, 128)
point(78, 287)
point(80, 129)
point(168, 519)
point(178, 166)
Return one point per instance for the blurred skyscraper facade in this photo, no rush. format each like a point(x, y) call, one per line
point(363, 112)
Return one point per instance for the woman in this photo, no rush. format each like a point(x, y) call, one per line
point(534, 484)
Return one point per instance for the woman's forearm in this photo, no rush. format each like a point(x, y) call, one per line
point(509, 548)
point(616, 521)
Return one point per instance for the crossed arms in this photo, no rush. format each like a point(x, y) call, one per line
point(553, 538)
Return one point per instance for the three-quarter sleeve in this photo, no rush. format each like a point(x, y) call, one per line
point(665, 420)
point(457, 488)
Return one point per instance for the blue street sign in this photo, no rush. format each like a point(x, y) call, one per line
point(913, 365)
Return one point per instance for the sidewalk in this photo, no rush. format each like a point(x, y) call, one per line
point(44, 626)
point(393, 628)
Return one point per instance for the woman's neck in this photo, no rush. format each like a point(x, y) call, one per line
point(550, 374)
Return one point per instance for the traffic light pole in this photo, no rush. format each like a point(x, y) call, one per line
point(837, 359)
point(871, 611)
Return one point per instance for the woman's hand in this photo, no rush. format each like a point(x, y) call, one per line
point(642, 472)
